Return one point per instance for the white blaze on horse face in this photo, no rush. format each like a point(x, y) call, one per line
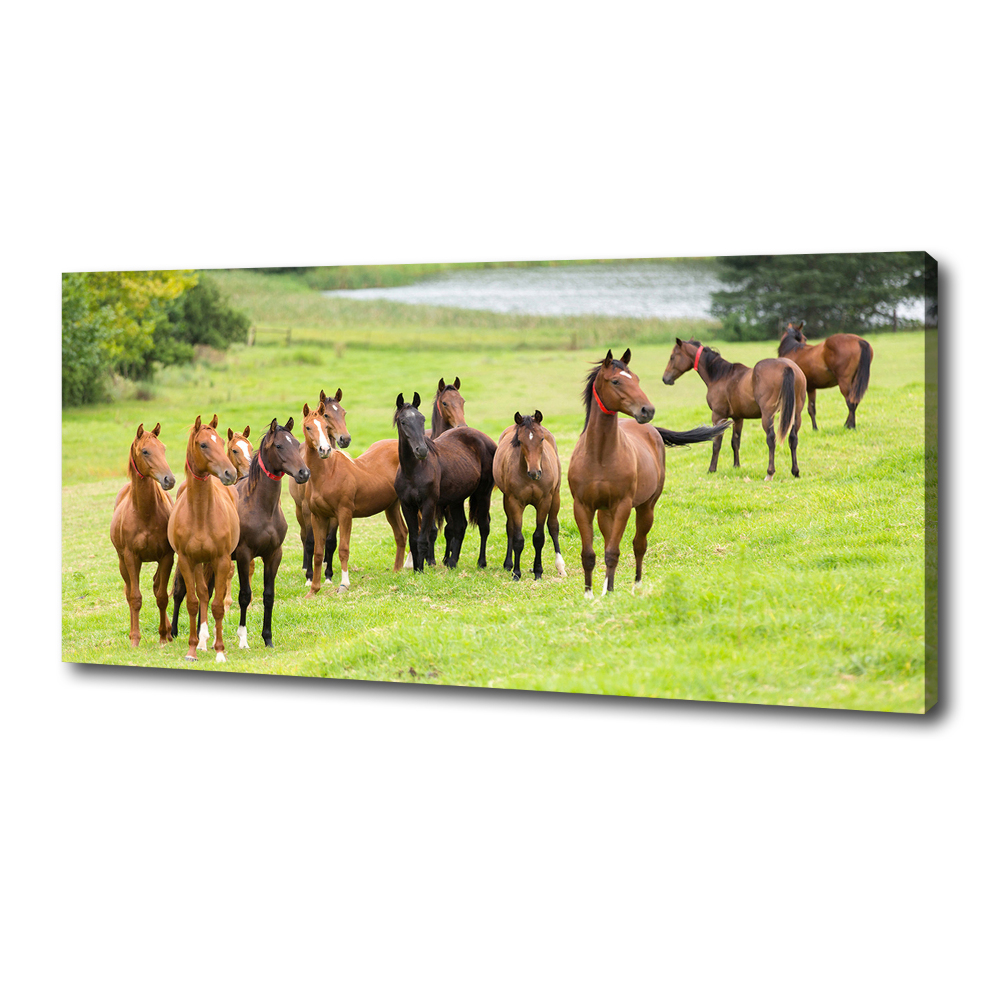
point(214, 438)
point(626, 374)
point(531, 437)
point(324, 444)
point(245, 448)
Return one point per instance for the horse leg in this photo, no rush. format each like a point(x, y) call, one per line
point(188, 575)
point(180, 592)
point(425, 550)
point(344, 523)
point(328, 552)
point(223, 586)
point(553, 522)
point(612, 525)
point(307, 553)
point(203, 593)
point(584, 518)
point(767, 422)
point(395, 518)
point(538, 538)
point(845, 391)
point(244, 562)
point(812, 407)
point(321, 528)
point(643, 524)
point(716, 443)
point(515, 536)
point(161, 588)
point(456, 524)
point(130, 567)
point(432, 541)
point(793, 444)
point(484, 533)
point(411, 517)
point(737, 434)
point(271, 564)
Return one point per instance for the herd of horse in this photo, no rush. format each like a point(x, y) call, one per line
point(228, 508)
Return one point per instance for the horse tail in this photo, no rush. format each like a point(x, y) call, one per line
point(860, 384)
point(479, 502)
point(787, 402)
point(672, 438)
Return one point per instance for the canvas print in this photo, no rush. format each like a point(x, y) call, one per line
point(709, 479)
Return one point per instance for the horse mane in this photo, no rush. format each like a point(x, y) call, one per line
point(588, 389)
point(712, 361)
point(253, 476)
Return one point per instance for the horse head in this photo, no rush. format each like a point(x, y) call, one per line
point(206, 454)
point(410, 423)
point(682, 359)
point(148, 457)
point(240, 451)
point(449, 404)
point(279, 452)
point(530, 439)
point(615, 389)
point(336, 418)
point(315, 429)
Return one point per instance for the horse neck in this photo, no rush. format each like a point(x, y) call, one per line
point(602, 437)
point(144, 488)
point(714, 368)
point(789, 345)
point(407, 460)
point(266, 493)
point(200, 491)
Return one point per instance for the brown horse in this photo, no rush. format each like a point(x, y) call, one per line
point(204, 528)
point(339, 437)
point(240, 451)
point(619, 465)
point(449, 408)
point(139, 526)
point(843, 360)
point(342, 488)
point(739, 392)
point(526, 470)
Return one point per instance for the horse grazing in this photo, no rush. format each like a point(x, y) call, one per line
point(204, 528)
point(342, 488)
point(619, 465)
point(139, 526)
point(526, 469)
point(843, 360)
point(340, 437)
point(449, 408)
point(738, 392)
point(435, 477)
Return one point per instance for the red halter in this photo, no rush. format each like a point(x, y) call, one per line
point(134, 466)
point(187, 466)
point(604, 409)
point(697, 355)
point(260, 462)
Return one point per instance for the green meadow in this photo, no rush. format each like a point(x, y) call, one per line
point(794, 592)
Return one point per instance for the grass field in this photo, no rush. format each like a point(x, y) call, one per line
point(794, 592)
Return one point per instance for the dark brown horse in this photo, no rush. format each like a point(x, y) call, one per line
point(526, 470)
point(203, 529)
point(139, 526)
point(618, 465)
point(342, 488)
point(339, 437)
point(843, 360)
point(434, 479)
point(449, 408)
point(738, 392)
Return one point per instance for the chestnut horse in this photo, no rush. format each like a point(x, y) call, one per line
point(618, 465)
point(526, 470)
point(449, 408)
point(739, 392)
point(204, 528)
point(342, 488)
point(843, 360)
point(139, 526)
point(240, 451)
point(340, 437)
point(435, 477)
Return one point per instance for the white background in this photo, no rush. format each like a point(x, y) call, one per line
point(177, 835)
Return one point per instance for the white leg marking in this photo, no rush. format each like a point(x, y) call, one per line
point(605, 590)
point(588, 594)
point(220, 657)
point(409, 561)
point(241, 631)
point(345, 580)
point(560, 564)
point(203, 636)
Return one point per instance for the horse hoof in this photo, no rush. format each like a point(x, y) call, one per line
point(588, 594)
point(516, 576)
point(269, 644)
point(342, 589)
point(191, 658)
point(560, 565)
point(220, 657)
point(241, 632)
point(768, 478)
point(538, 576)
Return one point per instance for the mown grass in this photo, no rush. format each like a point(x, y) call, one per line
point(801, 592)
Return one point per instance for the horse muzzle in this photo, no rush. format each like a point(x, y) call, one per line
point(168, 482)
point(536, 475)
point(324, 452)
point(302, 476)
point(344, 441)
point(668, 379)
point(228, 477)
point(420, 453)
point(645, 414)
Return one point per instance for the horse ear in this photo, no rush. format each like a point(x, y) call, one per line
point(400, 402)
point(440, 385)
point(274, 425)
point(321, 409)
point(538, 416)
point(517, 417)
point(197, 423)
point(322, 396)
point(290, 424)
point(156, 429)
point(305, 409)
point(416, 399)
point(138, 432)
point(215, 421)
point(609, 358)
point(338, 397)
point(457, 383)
point(802, 324)
point(246, 431)
point(230, 434)
point(679, 343)
point(627, 356)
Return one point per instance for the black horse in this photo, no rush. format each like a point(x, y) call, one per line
point(434, 479)
point(262, 522)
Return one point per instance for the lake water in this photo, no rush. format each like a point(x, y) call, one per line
point(665, 290)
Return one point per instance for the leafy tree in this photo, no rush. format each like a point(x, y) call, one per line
point(832, 292)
